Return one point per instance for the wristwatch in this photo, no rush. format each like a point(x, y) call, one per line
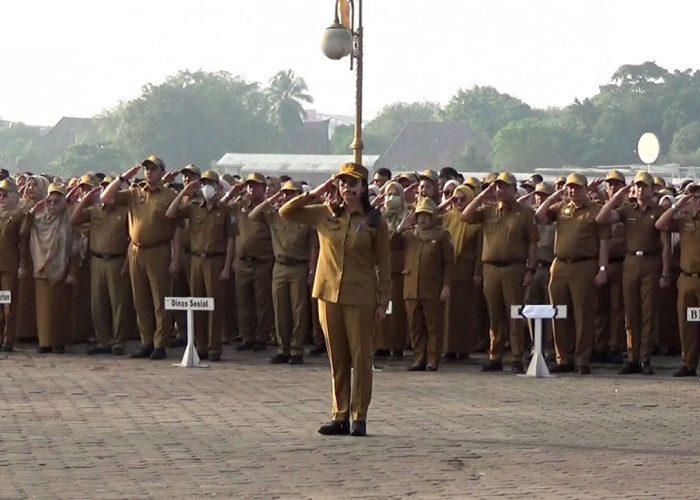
point(603, 268)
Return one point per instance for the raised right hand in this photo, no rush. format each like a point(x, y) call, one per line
point(323, 188)
point(131, 173)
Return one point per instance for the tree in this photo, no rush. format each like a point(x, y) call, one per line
point(685, 146)
point(523, 145)
point(341, 139)
point(19, 147)
point(286, 92)
point(80, 158)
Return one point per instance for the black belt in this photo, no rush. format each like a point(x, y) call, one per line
point(289, 261)
point(204, 255)
point(107, 256)
point(252, 259)
point(690, 275)
point(543, 263)
point(575, 259)
point(615, 260)
point(146, 247)
point(639, 253)
point(505, 263)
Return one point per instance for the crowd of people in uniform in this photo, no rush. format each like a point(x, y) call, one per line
point(430, 262)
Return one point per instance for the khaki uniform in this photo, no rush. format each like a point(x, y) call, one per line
point(575, 266)
point(610, 330)
point(111, 294)
point(688, 227)
point(538, 291)
point(81, 299)
point(640, 277)
point(10, 242)
point(209, 233)
point(25, 327)
point(353, 277)
point(392, 333)
point(291, 244)
point(149, 254)
point(428, 267)
point(507, 236)
point(253, 268)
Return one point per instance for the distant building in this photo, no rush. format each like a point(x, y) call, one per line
point(62, 135)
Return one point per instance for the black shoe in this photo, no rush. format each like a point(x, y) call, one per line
point(318, 349)
point(178, 342)
point(685, 371)
point(630, 367)
point(335, 428)
point(142, 353)
point(7, 346)
point(646, 368)
point(278, 359)
point(615, 358)
point(245, 345)
point(296, 360)
point(562, 369)
point(117, 350)
point(517, 367)
point(450, 357)
point(492, 366)
point(158, 353)
point(359, 428)
point(396, 355)
point(95, 349)
point(583, 369)
point(43, 350)
point(381, 353)
point(259, 346)
point(431, 368)
point(416, 368)
point(214, 356)
point(59, 349)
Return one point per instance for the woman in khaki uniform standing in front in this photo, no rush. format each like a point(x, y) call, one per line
point(11, 218)
point(353, 285)
point(49, 232)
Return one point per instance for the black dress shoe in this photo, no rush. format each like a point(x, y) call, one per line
point(583, 369)
point(318, 349)
point(416, 368)
point(359, 428)
point(492, 366)
point(245, 345)
point(335, 428)
point(158, 353)
point(117, 350)
point(59, 349)
point(646, 368)
point(431, 368)
point(95, 349)
point(278, 359)
point(685, 371)
point(43, 350)
point(142, 353)
point(7, 346)
point(259, 346)
point(396, 355)
point(296, 360)
point(517, 367)
point(450, 356)
point(562, 369)
point(615, 357)
point(381, 353)
point(630, 367)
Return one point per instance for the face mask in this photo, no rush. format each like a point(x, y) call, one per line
point(393, 202)
point(208, 192)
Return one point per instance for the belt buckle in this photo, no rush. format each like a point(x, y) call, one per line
point(639, 253)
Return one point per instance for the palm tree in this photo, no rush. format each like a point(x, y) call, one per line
point(286, 92)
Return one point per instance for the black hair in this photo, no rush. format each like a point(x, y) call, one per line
point(384, 172)
point(373, 213)
point(284, 178)
point(448, 173)
point(100, 176)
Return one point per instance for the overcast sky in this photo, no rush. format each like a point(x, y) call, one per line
point(77, 57)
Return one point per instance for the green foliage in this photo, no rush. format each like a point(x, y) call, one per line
point(80, 158)
point(470, 160)
point(285, 95)
point(523, 145)
point(341, 139)
point(19, 148)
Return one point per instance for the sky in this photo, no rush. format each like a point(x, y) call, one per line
point(79, 57)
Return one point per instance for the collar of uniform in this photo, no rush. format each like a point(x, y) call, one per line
point(503, 206)
point(156, 187)
point(572, 206)
point(637, 206)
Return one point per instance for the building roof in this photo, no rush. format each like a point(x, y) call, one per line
point(423, 145)
point(62, 135)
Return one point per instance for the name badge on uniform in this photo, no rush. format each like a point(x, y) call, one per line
point(567, 211)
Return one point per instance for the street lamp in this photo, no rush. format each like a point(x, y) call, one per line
point(339, 41)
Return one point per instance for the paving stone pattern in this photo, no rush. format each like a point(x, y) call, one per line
point(76, 427)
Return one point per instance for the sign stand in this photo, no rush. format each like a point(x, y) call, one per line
point(538, 366)
point(190, 358)
point(5, 297)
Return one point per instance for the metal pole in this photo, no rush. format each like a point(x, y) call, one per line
point(190, 337)
point(357, 145)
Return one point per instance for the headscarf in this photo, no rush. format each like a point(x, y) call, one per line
point(394, 215)
point(460, 232)
point(50, 245)
point(42, 184)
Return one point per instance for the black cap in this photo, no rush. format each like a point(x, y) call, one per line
point(4, 173)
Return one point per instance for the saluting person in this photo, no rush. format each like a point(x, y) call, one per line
point(11, 219)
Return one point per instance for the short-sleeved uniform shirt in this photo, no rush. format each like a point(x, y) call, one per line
point(209, 228)
point(577, 235)
point(148, 225)
point(507, 233)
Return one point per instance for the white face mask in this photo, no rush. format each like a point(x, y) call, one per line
point(208, 192)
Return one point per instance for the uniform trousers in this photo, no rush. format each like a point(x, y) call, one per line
point(503, 287)
point(110, 300)
point(572, 284)
point(290, 298)
point(150, 283)
point(8, 316)
point(538, 293)
point(254, 297)
point(609, 331)
point(348, 333)
point(316, 330)
point(392, 333)
point(460, 327)
point(688, 296)
point(26, 327)
point(640, 285)
point(426, 324)
point(52, 312)
point(204, 282)
point(81, 325)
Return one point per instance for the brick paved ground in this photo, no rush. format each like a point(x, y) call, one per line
point(74, 426)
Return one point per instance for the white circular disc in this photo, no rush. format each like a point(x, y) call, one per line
point(648, 148)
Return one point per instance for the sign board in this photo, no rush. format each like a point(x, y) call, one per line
point(538, 311)
point(693, 314)
point(648, 148)
point(5, 297)
point(189, 303)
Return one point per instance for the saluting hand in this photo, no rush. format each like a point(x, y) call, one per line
point(170, 176)
point(323, 188)
point(94, 194)
point(622, 193)
point(38, 206)
point(131, 173)
point(593, 185)
point(191, 187)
